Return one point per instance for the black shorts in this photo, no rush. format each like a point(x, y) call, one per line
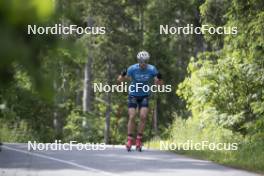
point(135, 101)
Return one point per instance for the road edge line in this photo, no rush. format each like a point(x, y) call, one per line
point(61, 161)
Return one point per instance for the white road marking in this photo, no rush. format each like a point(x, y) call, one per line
point(62, 161)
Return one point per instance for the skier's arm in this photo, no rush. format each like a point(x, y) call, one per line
point(123, 76)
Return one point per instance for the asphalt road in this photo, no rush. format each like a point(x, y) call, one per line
point(15, 160)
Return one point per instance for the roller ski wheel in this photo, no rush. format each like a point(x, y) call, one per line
point(128, 148)
point(139, 144)
point(139, 148)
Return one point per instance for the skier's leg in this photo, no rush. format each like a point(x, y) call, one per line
point(143, 117)
point(130, 127)
point(131, 121)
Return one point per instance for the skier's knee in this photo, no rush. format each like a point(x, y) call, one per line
point(143, 117)
point(131, 117)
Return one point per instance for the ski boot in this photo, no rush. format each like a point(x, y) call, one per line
point(139, 143)
point(129, 143)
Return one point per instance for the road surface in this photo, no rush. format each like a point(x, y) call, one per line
point(15, 160)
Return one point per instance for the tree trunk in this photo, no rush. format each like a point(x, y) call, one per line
point(60, 88)
point(87, 88)
point(78, 99)
point(107, 118)
point(155, 117)
point(108, 101)
point(200, 44)
point(141, 24)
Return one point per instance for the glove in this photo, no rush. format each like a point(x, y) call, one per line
point(159, 76)
point(124, 72)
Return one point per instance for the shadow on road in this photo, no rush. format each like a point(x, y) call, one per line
point(113, 160)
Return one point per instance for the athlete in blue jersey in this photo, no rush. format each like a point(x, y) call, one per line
point(141, 76)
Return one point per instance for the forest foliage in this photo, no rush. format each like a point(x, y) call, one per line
point(217, 80)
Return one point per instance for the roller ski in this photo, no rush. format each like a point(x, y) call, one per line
point(139, 143)
point(129, 144)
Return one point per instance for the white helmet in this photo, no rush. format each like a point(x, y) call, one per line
point(143, 56)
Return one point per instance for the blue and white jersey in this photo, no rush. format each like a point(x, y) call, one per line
point(141, 79)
